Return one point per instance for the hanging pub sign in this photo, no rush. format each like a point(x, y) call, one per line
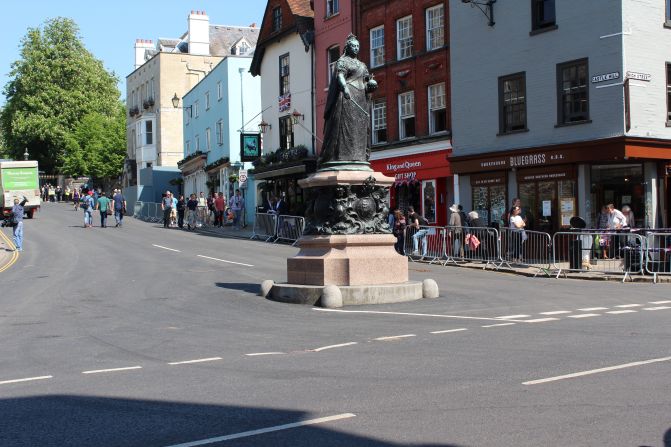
point(250, 146)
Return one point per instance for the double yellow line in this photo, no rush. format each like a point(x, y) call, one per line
point(15, 254)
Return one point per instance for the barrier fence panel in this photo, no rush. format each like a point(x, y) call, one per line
point(658, 254)
point(290, 228)
point(137, 209)
point(472, 244)
point(526, 248)
point(425, 243)
point(265, 227)
point(598, 251)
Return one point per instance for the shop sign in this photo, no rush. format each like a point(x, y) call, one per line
point(250, 146)
point(405, 176)
point(553, 176)
point(393, 167)
point(639, 76)
point(606, 77)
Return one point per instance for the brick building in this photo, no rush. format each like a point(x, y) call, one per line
point(405, 45)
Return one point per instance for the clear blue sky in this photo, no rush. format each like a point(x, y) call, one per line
point(109, 28)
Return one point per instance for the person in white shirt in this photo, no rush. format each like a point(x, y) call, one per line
point(518, 236)
point(202, 210)
point(616, 220)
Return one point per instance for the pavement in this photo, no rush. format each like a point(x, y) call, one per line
point(142, 336)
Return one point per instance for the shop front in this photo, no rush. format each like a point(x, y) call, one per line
point(423, 181)
point(281, 182)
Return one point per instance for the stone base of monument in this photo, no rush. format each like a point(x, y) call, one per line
point(351, 295)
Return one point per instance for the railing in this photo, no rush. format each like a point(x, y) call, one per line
point(658, 254)
point(148, 211)
point(424, 243)
point(525, 248)
point(289, 228)
point(265, 227)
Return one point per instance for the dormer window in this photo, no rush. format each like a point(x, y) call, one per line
point(241, 48)
point(277, 19)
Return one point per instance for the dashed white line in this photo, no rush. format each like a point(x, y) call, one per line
point(394, 337)
point(557, 312)
point(97, 371)
point(583, 316)
point(187, 362)
point(246, 434)
point(660, 302)
point(449, 331)
point(596, 371)
point(512, 317)
point(27, 379)
point(227, 262)
point(498, 325)
point(657, 308)
point(166, 248)
point(463, 317)
point(617, 312)
point(541, 320)
point(324, 348)
point(592, 309)
point(256, 354)
point(624, 306)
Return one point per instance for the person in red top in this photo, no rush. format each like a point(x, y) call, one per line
point(219, 207)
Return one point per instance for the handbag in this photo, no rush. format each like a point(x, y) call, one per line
point(109, 211)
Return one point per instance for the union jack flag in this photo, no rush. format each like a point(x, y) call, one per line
point(284, 102)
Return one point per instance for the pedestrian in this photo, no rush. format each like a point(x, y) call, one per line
point(192, 212)
point(103, 205)
point(518, 235)
point(181, 207)
point(173, 212)
point(420, 230)
point(75, 199)
point(59, 193)
point(202, 209)
point(629, 215)
point(52, 194)
point(88, 205)
point(399, 231)
point(17, 222)
point(616, 220)
point(479, 235)
point(455, 225)
point(119, 207)
point(219, 208)
point(237, 204)
point(68, 193)
point(166, 206)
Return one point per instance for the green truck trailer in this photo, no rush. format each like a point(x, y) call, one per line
point(19, 179)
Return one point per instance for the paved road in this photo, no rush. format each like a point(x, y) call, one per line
point(142, 336)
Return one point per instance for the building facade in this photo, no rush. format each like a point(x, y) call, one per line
point(284, 60)
point(405, 45)
point(565, 105)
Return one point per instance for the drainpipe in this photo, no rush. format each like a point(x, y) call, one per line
point(312, 97)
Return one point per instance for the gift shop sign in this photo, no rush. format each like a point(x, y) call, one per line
point(404, 166)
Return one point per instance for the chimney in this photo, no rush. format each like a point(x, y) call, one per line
point(141, 46)
point(253, 25)
point(199, 33)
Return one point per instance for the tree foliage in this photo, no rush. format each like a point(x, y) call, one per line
point(58, 90)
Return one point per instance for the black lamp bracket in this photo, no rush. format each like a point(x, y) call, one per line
point(485, 6)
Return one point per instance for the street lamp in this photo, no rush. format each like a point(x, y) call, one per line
point(26, 155)
point(295, 115)
point(175, 104)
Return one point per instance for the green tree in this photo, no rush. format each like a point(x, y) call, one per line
point(53, 86)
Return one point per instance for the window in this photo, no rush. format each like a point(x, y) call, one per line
point(379, 124)
point(512, 103)
point(435, 36)
point(406, 115)
point(284, 74)
point(243, 48)
point(668, 93)
point(377, 46)
point(196, 110)
point(404, 38)
point(542, 14)
point(277, 19)
point(188, 147)
point(437, 108)
point(333, 54)
point(220, 91)
point(573, 93)
point(286, 133)
point(220, 132)
point(149, 132)
point(208, 139)
point(207, 100)
point(668, 12)
point(152, 89)
point(332, 7)
point(197, 143)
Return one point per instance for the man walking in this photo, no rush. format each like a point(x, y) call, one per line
point(166, 206)
point(17, 222)
point(236, 203)
point(119, 207)
point(102, 206)
point(202, 209)
point(88, 205)
point(219, 207)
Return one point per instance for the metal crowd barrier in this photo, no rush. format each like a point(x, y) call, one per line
point(658, 254)
point(289, 228)
point(265, 227)
point(526, 248)
point(474, 244)
point(609, 252)
point(425, 243)
point(137, 209)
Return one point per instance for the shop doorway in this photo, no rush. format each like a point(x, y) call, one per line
point(548, 205)
point(621, 184)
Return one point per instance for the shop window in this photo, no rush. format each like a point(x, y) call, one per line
point(573, 92)
point(429, 200)
point(437, 109)
point(376, 46)
point(435, 36)
point(286, 133)
point(512, 103)
point(406, 115)
point(284, 74)
point(490, 203)
point(277, 19)
point(543, 14)
point(379, 124)
point(332, 56)
point(404, 38)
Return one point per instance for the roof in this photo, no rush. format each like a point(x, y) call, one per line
point(301, 8)
point(224, 37)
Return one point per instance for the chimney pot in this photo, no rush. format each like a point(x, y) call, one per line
point(192, 12)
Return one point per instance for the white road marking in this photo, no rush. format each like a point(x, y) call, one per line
point(657, 308)
point(660, 302)
point(246, 434)
point(499, 325)
point(186, 362)
point(96, 371)
point(324, 348)
point(394, 337)
point(591, 309)
point(463, 317)
point(227, 262)
point(596, 371)
point(616, 312)
point(27, 379)
point(450, 331)
point(512, 317)
point(583, 315)
point(541, 320)
point(166, 248)
point(255, 354)
point(557, 312)
point(623, 306)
